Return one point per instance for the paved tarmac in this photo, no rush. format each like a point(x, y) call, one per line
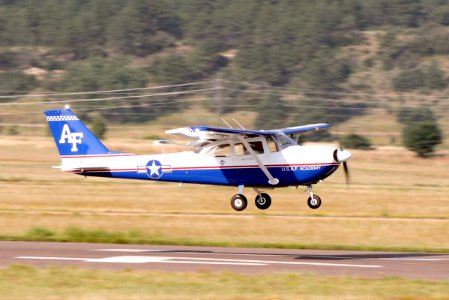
point(219, 259)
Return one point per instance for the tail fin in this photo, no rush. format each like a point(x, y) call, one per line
point(71, 136)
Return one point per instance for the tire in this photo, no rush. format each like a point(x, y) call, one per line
point(263, 201)
point(239, 202)
point(315, 203)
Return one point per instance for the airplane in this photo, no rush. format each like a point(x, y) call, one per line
point(259, 159)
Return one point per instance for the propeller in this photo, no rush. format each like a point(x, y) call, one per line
point(347, 175)
point(342, 156)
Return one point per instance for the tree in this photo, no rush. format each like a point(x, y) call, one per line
point(137, 28)
point(435, 78)
point(13, 130)
point(102, 74)
point(408, 115)
point(11, 82)
point(409, 80)
point(355, 141)
point(325, 72)
point(99, 127)
point(422, 137)
point(272, 113)
point(170, 69)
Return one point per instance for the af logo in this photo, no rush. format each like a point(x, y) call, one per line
point(71, 138)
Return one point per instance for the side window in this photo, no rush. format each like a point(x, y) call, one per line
point(240, 149)
point(272, 145)
point(222, 150)
point(257, 147)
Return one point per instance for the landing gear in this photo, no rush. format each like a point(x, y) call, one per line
point(314, 201)
point(263, 201)
point(239, 202)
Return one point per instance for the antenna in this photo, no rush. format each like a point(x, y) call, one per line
point(226, 123)
point(240, 125)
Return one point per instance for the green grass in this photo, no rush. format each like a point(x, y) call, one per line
point(72, 234)
point(25, 282)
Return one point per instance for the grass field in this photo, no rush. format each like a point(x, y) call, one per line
point(396, 202)
point(73, 283)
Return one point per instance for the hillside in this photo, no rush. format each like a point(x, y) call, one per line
point(354, 63)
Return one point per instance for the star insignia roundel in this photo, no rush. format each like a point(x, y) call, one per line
point(154, 169)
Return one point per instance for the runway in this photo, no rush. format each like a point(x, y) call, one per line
point(219, 259)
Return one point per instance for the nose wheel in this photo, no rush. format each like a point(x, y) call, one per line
point(314, 201)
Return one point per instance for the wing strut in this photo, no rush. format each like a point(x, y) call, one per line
point(271, 179)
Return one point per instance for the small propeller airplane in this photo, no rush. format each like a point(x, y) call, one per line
point(260, 159)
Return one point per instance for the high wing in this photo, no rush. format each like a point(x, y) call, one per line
point(203, 134)
point(206, 132)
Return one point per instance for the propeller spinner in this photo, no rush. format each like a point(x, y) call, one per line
point(342, 156)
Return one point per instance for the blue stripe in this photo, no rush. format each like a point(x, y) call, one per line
point(247, 176)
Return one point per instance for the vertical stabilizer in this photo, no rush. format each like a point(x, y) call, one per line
point(71, 136)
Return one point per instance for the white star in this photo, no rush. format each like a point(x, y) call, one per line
point(154, 169)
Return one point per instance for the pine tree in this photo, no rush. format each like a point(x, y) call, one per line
point(422, 137)
point(99, 127)
point(272, 113)
point(434, 78)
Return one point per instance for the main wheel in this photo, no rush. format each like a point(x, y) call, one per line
point(315, 202)
point(263, 201)
point(239, 202)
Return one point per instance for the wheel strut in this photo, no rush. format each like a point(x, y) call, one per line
point(310, 190)
point(314, 201)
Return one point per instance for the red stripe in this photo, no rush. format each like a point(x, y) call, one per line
point(252, 166)
point(205, 168)
point(99, 155)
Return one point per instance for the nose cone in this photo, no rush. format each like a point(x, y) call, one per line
point(342, 155)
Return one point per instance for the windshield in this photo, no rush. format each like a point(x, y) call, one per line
point(283, 140)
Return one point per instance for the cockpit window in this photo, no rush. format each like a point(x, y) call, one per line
point(220, 150)
point(283, 140)
point(272, 145)
point(257, 147)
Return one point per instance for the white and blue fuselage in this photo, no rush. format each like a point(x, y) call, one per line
point(295, 165)
point(221, 156)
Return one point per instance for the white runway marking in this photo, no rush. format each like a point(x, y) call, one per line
point(165, 259)
point(49, 258)
point(414, 258)
point(145, 259)
point(193, 260)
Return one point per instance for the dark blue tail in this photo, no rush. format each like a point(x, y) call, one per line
point(71, 136)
